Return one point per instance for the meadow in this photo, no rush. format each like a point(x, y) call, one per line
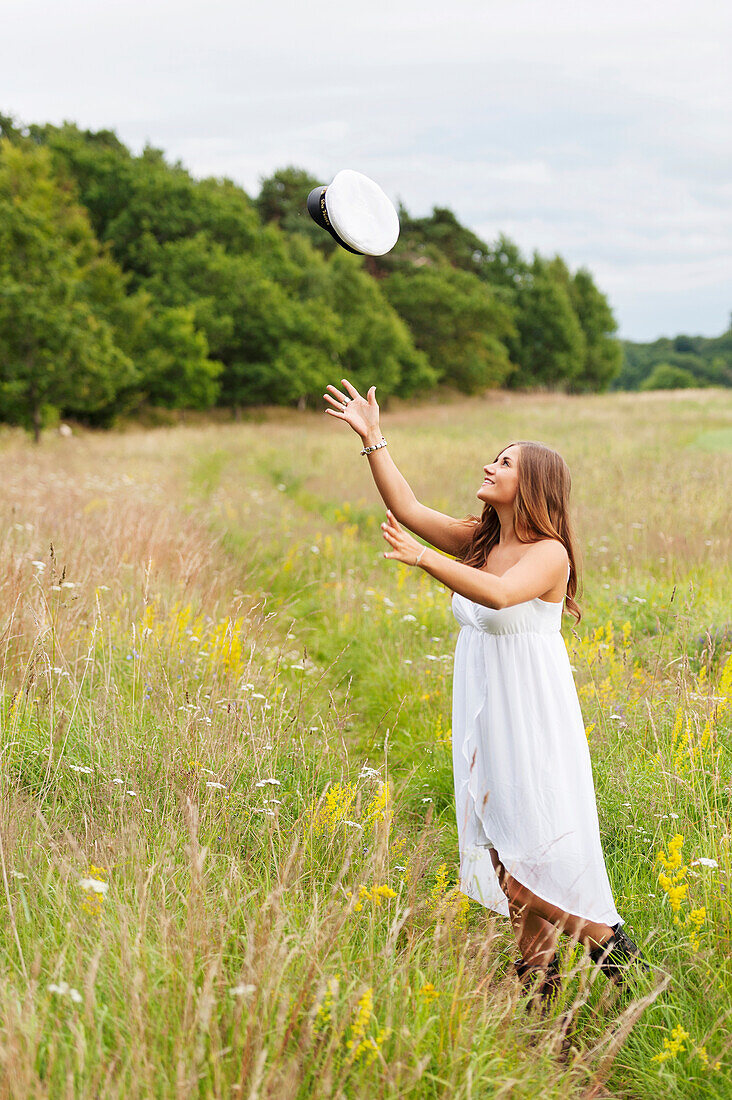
point(228, 843)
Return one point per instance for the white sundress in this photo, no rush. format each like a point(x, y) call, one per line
point(522, 769)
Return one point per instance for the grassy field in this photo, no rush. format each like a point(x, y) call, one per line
point(229, 852)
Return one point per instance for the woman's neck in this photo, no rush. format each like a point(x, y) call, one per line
point(507, 535)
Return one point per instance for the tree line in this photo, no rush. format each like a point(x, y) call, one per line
point(125, 282)
point(684, 362)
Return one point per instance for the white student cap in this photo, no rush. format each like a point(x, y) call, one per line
point(356, 213)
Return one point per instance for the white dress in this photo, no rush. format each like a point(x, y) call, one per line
point(523, 775)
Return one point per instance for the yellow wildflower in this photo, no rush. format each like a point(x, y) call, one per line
point(359, 1044)
point(379, 808)
point(672, 1046)
point(323, 1013)
point(375, 894)
point(673, 885)
point(334, 807)
point(95, 887)
point(429, 992)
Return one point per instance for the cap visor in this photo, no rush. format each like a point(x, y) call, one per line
point(314, 208)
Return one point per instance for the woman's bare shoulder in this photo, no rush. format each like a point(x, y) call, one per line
point(551, 550)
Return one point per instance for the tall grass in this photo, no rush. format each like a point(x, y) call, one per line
point(229, 855)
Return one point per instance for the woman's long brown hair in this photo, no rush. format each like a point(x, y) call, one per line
point(541, 511)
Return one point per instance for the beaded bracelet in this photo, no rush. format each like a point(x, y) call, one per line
point(368, 450)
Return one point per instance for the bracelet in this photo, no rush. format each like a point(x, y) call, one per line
point(419, 555)
point(368, 450)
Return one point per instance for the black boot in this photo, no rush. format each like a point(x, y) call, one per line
point(543, 982)
point(617, 954)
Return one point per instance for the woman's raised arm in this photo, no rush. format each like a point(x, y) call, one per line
point(362, 414)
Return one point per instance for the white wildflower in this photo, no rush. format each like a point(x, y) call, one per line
point(704, 861)
point(215, 785)
point(81, 768)
point(63, 989)
point(242, 990)
point(94, 885)
point(409, 618)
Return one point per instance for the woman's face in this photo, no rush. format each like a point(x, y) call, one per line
point(501, 478)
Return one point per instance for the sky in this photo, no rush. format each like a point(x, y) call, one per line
point(598, 130)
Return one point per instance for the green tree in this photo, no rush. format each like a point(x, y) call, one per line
point(55, 350)
point(136, 203)
point(274, 347)
point(460, 325)
point(377, 345)
point(708, 361)
point(442, 231)
point(551, 346)
point(283, 198)
point(603, 353)
point(665, 376)
point(170, 354)
point(175, 370)
point(504, 266)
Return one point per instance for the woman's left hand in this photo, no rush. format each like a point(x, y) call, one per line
point(404, 547)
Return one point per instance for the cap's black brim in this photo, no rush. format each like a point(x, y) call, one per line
point(319, 214)
point(314, 207)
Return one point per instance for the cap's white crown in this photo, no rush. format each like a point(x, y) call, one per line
point(361, 213)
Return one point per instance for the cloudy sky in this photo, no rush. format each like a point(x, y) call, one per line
point(601, 130)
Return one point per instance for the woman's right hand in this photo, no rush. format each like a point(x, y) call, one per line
point(362, 413)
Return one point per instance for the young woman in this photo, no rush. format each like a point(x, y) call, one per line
point(527, 820)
